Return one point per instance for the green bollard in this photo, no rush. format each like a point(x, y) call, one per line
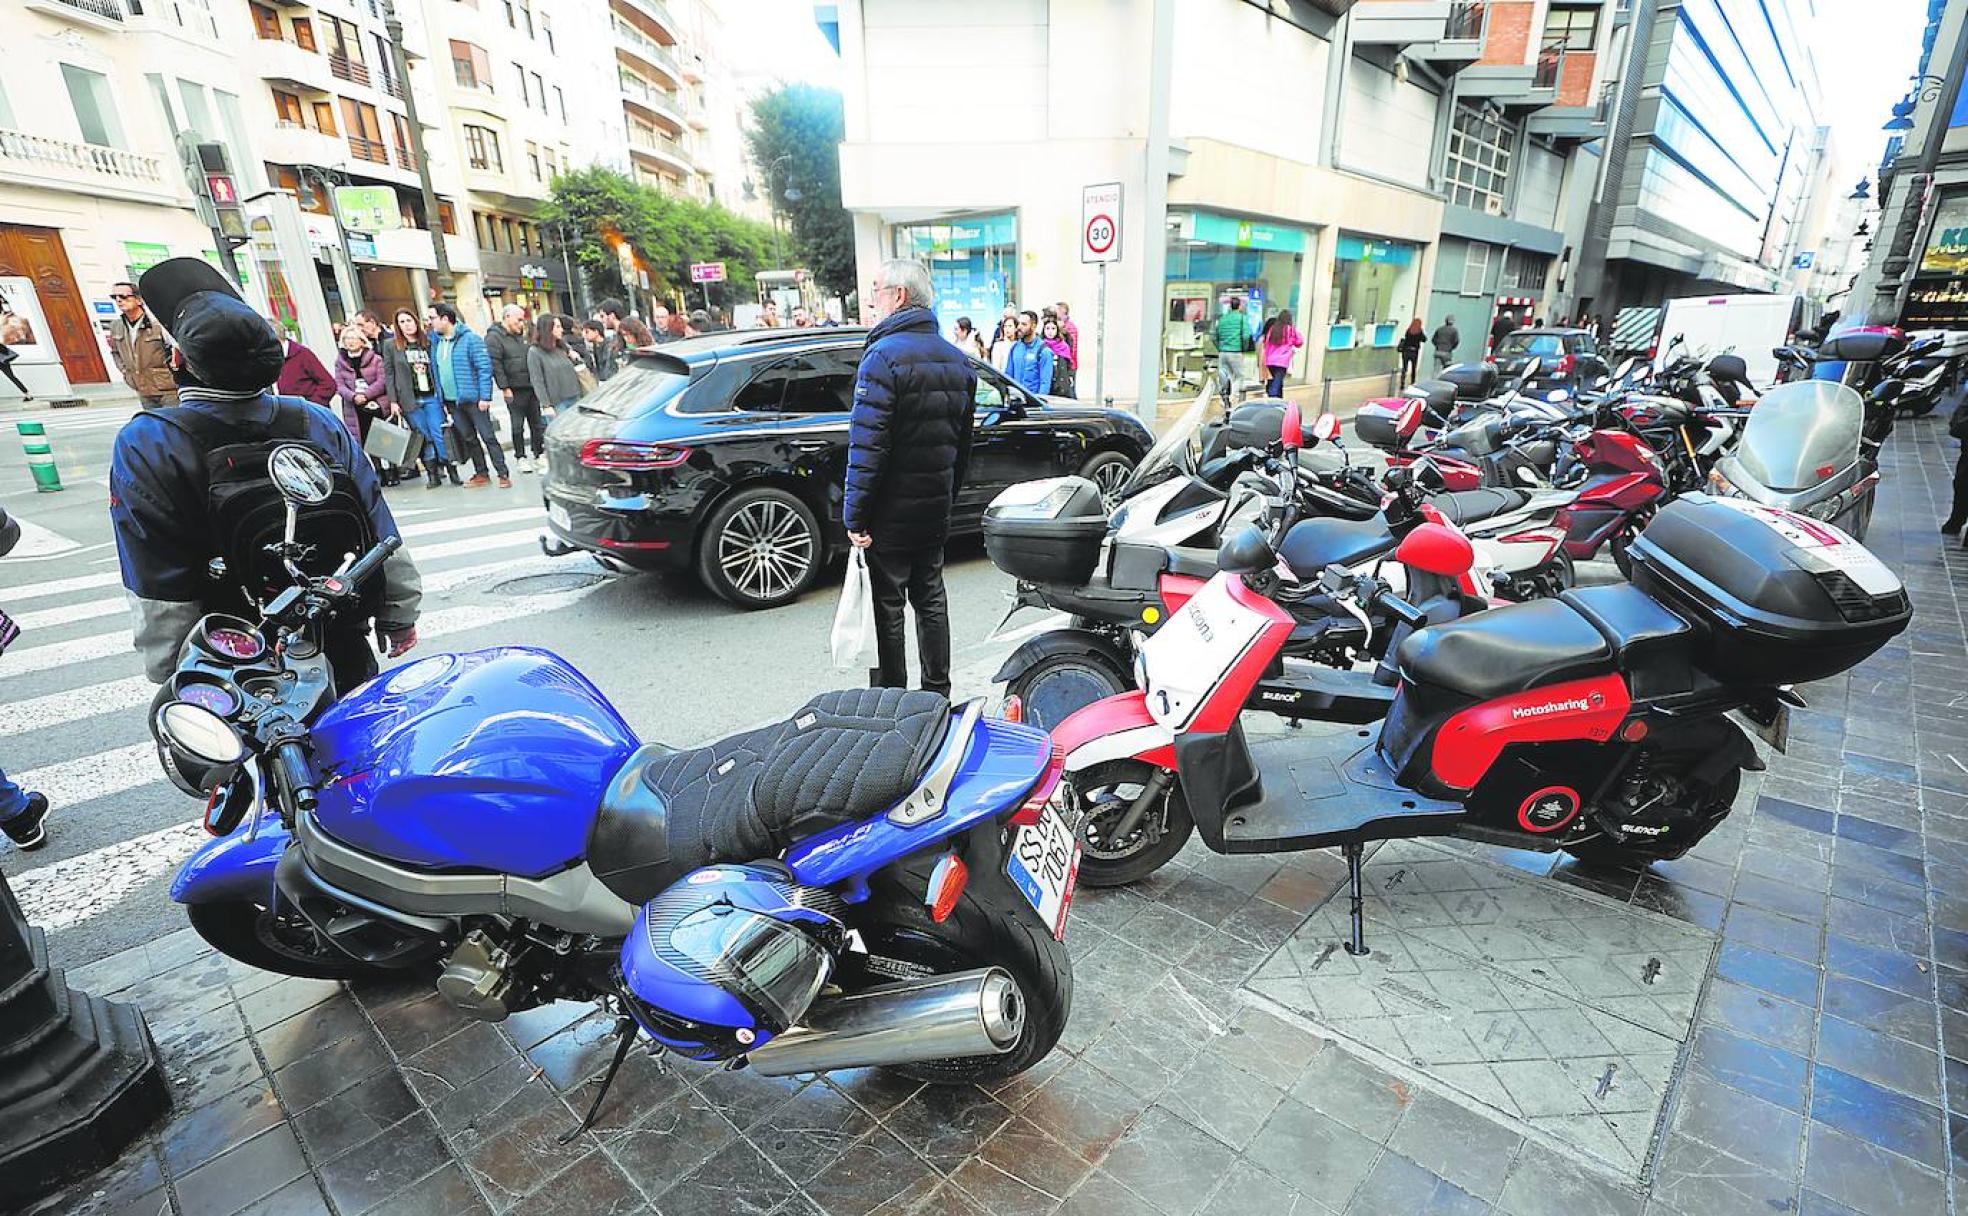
point(40, 456)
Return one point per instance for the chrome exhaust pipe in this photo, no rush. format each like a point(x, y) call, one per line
point(970, 1013)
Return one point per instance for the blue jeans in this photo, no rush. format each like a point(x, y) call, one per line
point(13, 799)
point(427, 419)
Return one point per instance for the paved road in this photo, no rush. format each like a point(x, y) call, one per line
point(681, 665)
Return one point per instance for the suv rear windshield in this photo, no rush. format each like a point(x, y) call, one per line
point(1531, 344)
point(647, 383)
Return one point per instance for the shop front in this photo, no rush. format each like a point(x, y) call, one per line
point(1375, 286)
point(973, 264)
point(1938, 298)
point(1213, 258)
point(506, 278)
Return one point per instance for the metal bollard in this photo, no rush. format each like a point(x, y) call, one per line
point(40, 456)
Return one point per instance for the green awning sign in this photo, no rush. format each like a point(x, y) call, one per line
point(142, 255)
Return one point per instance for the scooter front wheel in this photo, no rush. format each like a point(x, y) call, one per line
point(1114, 853)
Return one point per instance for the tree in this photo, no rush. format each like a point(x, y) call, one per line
point(795, 141)
point(600, 209)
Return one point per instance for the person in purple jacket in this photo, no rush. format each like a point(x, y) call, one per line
point(364, 390)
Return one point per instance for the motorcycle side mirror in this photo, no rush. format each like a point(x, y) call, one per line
point(1531, 367)
point(300, 475)
point(1292, 433)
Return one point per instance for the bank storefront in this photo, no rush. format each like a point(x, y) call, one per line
point(1375, 285)
point(973, 263)
point(1214, 258)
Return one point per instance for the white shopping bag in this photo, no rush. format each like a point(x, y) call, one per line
point(854, 620)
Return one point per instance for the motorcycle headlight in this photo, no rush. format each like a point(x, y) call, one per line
point(198, 749)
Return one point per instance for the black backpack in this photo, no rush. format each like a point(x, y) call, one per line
point(244, 512)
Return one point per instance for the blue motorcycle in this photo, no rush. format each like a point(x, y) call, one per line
point(881, 879)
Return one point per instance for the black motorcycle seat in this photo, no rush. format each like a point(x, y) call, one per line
point(1506, 650)
point(846, 755)
point(1469, 506)
point(1633, 623)
point(1314, 544)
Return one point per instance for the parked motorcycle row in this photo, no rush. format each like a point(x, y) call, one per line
point(883, 878)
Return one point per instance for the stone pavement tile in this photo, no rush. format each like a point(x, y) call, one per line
point(112, 974)
point(1679, 902)
point(301, 1197)
point(355, 1115)
point(1084, 1109)
point(1856, 858)
point(174, 948)
point(1695, 1180)
point(1249, 1191)
point(1753, 1068)
point(1895, 1013)
point(1121, 965)
point(448, 1192)
point(1544, 1183)
point(1263, 924)
point(1466, 1148)
point(1756, 1131)
point(1879, 835)
point(1169, 1162)
point(190, 1034)
point(1398, 1187)
point(196, 1136)
point(1223, 1099)
point(196, 1082)
point(1313, 1154)
point(125, 1186)
point(1106, 908)
point(1164, 931)
point(1770, 931)
point(1805, 873)
point(1759, 1015)
point(1094, 1009)
point(576, 1052)
point(1879, 1116)
point(531, 1026)
point(1023, 1152)
point(244, 1174)
point(386, 1164)
point(456, 1061)
point(282, 1000)
point(1773, 973)
point(1206, 899)
point(871, 1174)
point(1266, 1045)
point(670, 1141)
point(1298, 890)
point(1103, 1195)
point(512, 1163)
point(1360, 1095)
point(745, 1097)
point(1878, 927)
point(1892, 969)
point(1878, 891)
point(482, 1108)
point(1246, 872)
point(1804, 903)
point(806, 1134)
point(304, 1034)
point(1797, 814)
point(187, 988)
point(1880, 1058)
point(1225, 958)
point(946, 1124)
point(325, 1073)
point(410, 1026)
point(1867, 1178)
point(880, 1090)
point(592, 1186)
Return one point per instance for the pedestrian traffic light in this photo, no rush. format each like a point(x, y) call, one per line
point(214, 178)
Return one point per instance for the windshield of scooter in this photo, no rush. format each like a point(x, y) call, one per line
point(1177, 451)
point(1797, 429)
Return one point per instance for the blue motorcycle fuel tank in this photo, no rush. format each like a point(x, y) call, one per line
point(490, 760)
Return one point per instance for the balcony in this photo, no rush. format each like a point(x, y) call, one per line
point(645, 55)
point(475, 94)
point(284, 62)
point(1445, 33)
point(373, 151)
point(654, 14)
point(662, 151)
point(352, 70)
point(63, 164)
point(95, 14)
point(290, 143)
point(1564, 120)
point(651, 104)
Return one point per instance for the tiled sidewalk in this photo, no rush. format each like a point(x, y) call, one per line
point(1830, 1045)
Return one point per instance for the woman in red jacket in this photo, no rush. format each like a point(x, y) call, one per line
point(302, 375)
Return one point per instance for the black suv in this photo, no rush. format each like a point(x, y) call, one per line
point(726, 455)
point(1568, 358)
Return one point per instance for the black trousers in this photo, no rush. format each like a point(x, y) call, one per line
point(1960, 507)
point(1410, 367)
point(524, 411)
point(476, 436)
point(7, 370)
point(351, 657)
point(914, 576)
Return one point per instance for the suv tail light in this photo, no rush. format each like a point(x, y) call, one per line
point(625, 455)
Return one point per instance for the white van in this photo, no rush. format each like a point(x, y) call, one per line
point(1749, 326)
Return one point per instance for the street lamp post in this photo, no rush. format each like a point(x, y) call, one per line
point(772, 186)
point(346, 278)
point(393, 25)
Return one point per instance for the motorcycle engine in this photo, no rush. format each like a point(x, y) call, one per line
point(477, 978)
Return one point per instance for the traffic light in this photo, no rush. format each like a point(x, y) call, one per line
point(214, 179)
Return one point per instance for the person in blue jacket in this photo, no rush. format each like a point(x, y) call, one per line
point(1030, 363)
point(464, 380)
point(227, 357)
point(908, 447)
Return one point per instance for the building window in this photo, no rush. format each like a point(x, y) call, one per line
point(471, 66)
point(512, 22)
point(1475, 268)
point(520, 73)
point(1571, 29)
point(365, 132)
point(533, 159)
point(400, 127)
point(560, 102)
point(324, 118)
point(526, 16)
point(1479, 159)
point(546, 31)
point(482, 149)
point(95, 106)
point(266, 23)
point(304, 34)
point(553, 165)
point(447, 218)
point(198, 114)
point(1525, 271)
point(287, 109)
point(539, 93)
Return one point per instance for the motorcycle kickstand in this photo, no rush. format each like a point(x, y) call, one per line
point(625, 1030)
point(1358, 946)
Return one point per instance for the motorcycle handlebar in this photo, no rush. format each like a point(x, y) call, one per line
point(295, 775)
point(1398, 608)
point(373, 560)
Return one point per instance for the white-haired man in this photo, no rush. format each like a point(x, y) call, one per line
point(506, 343)
point(908, 447)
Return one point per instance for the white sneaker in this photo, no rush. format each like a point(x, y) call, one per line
point(525, 464)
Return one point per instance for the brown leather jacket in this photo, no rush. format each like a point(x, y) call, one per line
point(142, 356)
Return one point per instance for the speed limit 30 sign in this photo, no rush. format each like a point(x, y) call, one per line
point(1100, 223)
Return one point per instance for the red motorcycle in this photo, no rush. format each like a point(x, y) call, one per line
point(1603, 722)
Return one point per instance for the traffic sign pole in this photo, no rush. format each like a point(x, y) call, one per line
point(1100, 242)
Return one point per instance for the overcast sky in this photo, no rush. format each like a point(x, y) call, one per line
point(778, 38)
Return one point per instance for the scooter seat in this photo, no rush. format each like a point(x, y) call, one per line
point(1506, 650)
point(846, 755)
point(1314, 544)
point(1471, 506)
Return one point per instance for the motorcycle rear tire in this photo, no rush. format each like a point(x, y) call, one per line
point(897, 926)
point(1042, 711)
point(1135, 864)
point(233, 928)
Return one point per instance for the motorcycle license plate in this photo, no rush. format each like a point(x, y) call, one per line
point(558, 514)
point(1044, 863)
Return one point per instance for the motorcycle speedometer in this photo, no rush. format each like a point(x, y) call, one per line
point(215, 697)
point(229, 640)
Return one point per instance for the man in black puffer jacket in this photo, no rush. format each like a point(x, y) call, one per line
point(908, 446)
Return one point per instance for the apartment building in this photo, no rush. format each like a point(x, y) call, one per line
point(649, 87)
point(91, 185)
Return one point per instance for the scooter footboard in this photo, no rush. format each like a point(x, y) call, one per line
point(234, 867)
